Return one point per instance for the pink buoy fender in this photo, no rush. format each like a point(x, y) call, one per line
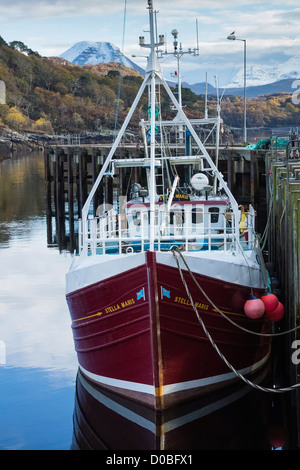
point(277, 314)
point(270, 301)
point(254, 307)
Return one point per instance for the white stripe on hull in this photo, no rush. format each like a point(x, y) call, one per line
point(123, 384)
point(172, 388)
point(170, 424)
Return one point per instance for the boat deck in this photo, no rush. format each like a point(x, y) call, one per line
point(115, 234)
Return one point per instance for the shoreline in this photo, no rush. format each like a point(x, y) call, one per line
point(13, 141)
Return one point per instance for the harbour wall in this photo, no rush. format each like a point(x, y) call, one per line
point(283, 255)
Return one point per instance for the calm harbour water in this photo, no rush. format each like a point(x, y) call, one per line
point(39, 371)
point(38, 364)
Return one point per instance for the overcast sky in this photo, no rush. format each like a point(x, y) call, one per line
point(270, 28)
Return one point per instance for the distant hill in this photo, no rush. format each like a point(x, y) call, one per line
point(281, 86)
point(265, 74)
point(56, 96)
point(103, 69)
point(94, 53)
point(260, 80)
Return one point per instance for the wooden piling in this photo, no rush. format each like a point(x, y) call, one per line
point(229, 169)
point(75, 169)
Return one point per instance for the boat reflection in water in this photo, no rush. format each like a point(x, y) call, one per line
point(233, 419)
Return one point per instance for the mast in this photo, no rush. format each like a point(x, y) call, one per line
point(205, 107)
point(153, 76)
point(152, 142)
point(217, 133)
point(153, 70)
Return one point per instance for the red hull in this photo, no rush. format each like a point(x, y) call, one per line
point(137, 334)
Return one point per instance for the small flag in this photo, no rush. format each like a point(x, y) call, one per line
point(140, 294)
point(165, 293)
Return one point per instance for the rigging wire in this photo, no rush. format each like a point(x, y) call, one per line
point(120, 72)
point(229, 78)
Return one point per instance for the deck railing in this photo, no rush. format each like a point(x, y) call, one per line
point(112, 234)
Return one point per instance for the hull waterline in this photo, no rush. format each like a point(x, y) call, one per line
point(208, 423)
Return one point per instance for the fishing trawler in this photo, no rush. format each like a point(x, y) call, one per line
point(157, 292)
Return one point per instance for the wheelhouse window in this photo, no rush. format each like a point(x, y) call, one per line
point(214, 214)
point(176, 217)
point(197, 215)
point(136, 217)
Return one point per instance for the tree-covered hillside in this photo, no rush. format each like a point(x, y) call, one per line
point(274, 110)
point(51, 95)
point(44, 95)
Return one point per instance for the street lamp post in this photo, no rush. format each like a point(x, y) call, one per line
point(232, 37)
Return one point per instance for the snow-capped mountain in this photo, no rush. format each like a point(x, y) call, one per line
point(94, 53)
point(264, 74)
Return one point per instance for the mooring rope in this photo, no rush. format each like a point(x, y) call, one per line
point(225, 316)
point(238, 374)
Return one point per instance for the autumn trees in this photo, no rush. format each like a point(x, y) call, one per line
point(55, 98)
point(45, 95)
point(272, 110)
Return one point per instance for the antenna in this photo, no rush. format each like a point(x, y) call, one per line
point(218, 131)
point(217, 88)
point(178, 53)
point(205, 108)
point(197, 36)
point(155, 25)
point(155, 39)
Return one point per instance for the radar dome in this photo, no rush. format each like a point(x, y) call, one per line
point(199, 181)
